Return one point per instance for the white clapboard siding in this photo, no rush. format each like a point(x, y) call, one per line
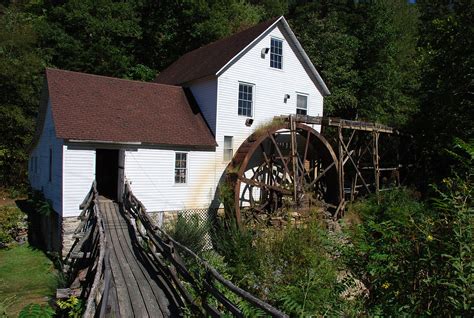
point(205, 93)
point(151, 174)
point(39, 178)
point(271, 85)
point(79, 173)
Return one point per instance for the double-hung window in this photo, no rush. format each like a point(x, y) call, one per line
point(276, 53)
point(245, 99)
point(180, 167)
point(301, 104)
point(228, 148)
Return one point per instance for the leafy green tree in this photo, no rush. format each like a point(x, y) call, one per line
point(98, 37)
point(21, 67)
point(323, 31)
point(387, 61)
point(447, 60)
point(172, 28)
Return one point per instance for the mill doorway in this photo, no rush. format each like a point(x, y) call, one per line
point(107, 172)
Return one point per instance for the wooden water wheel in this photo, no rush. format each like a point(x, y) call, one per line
point(287, 166)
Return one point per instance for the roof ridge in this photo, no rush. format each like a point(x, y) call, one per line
point(274, 19)
point(210, 58)
point(111, 77)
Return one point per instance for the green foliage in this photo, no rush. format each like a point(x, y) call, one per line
point(11, 219)
point(446, 51)
point(366, 53)
point(388, 248)
point(172, 28)
point(291, 268)
point(39, 203)
point(36, 311)
point(416, 258)
point(72, 307)
point(21, 65)
point(189, 230)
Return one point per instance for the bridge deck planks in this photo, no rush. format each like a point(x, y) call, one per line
point(138, 291)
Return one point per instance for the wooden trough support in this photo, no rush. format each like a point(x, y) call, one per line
point(365, 164)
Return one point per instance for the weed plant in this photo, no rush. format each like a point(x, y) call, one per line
point(416, 258)
point(11, 219)
point(190, 231)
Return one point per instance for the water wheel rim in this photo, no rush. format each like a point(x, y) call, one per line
point(246, 152)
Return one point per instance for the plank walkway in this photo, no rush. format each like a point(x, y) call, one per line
point(137, 290)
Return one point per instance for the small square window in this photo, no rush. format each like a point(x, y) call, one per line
point(276, 53)
point(180, 167)
point(245, 99)
point(228, 148)
point(301, 104)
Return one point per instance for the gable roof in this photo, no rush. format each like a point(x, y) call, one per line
point(105, 109)
point(216, 57)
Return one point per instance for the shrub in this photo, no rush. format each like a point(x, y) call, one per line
point(71, 307)
point(39, 203)
point(416, 258)
point(11, 220)
point(190, 231)
point(290, 268)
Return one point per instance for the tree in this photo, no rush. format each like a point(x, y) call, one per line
point(447, 60)
point(172, 28)
point(98, 37)
point(323, 31)
point(387, 61)
point(21, 67)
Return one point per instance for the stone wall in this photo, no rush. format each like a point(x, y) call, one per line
point(69, 225)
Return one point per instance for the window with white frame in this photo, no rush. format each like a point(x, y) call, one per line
point(180, 167)
point(301, 104)
point(276, 53)
point(228, 148)
point(245, 99)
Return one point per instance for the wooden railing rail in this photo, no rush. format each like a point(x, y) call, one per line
point(88, 254)
point(164, 254)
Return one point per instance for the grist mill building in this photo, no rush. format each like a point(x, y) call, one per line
point(171, 139)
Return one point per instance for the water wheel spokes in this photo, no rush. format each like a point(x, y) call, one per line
point(284, 168)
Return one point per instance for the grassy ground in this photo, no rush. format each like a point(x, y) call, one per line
point(26, 276)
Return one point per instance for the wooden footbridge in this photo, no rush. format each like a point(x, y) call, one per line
point(123, 265)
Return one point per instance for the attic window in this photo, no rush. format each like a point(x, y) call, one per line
point(301, 104)
point(276, 53)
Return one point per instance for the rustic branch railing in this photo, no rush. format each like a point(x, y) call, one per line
point(88, 254)
point(164, 254)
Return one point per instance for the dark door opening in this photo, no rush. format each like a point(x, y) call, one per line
point(106, 172)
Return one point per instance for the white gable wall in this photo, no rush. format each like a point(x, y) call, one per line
point(271, 85)
point(39, 177)
point(79, 173)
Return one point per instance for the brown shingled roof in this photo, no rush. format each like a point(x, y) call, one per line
point(209, 59)
point(99, 108)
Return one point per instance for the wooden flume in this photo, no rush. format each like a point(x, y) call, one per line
point(290, 166)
